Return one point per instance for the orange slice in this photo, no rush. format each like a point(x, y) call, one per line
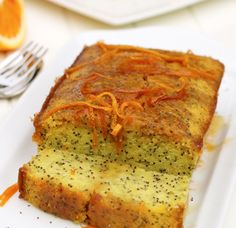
point(12, 24)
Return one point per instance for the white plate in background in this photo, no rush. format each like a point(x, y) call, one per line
point(119, 12)
point(212, 182)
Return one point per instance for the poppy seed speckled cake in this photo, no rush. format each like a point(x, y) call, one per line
point(120, 134)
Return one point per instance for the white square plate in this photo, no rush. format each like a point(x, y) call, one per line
point(212, 182)
point(119, 12)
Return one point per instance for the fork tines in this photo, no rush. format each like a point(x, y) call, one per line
point(19, 69)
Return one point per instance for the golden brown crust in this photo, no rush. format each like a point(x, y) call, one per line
point(21, 181)
point(96, 210)
point(53, 198)
point(112, 212)
point(199, 141)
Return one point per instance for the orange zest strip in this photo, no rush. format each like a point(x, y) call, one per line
point(193, 69)
point(114, 102)
point(102, 46)
point(100, 101)
point(163, 85)
point(115, 113)
point(138, 92)
point(8, 193)
point(93, 76)
point(149, 51)
point(106, 55)
point(131, 103)
point(201, 73)
point(176, 94)
point(140, 59)
point(74, 105)
point(183, 82)
point(76, 67)
point(151, 101)
point(116, 130)
point(101, 75)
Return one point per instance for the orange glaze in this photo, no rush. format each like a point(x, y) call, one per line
point(113, 100)
point(154, 53)
point(183, 60)
point(211, 147)
point(8, 193)
point(216, 126)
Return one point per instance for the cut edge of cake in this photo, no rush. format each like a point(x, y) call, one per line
point(102, 192)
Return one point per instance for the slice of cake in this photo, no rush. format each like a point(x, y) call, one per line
point(119, 136)
point(103, 192)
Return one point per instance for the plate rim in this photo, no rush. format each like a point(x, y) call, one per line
point(122, 20)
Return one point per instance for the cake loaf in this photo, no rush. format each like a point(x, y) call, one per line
point(129, 114)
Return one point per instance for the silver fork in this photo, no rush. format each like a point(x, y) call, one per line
point(19, 69)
